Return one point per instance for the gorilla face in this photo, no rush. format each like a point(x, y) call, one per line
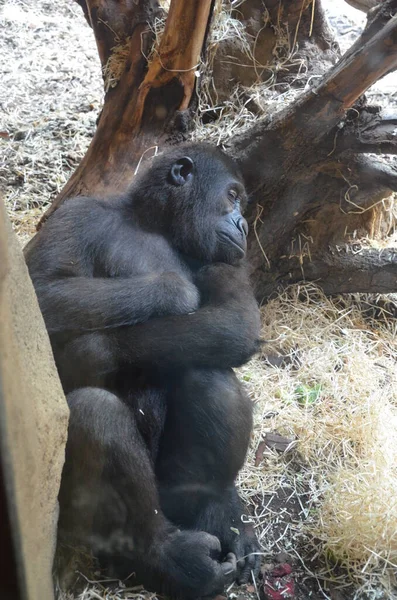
point(231, 229)
point(209, 193)
point(193, 195)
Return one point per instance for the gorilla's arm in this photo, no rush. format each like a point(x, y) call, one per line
point(87, 235)
point(93, 303)
point(217, 338)
point(224, 333)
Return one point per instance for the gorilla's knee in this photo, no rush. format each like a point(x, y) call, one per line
point(96, 417)
point(90, 397)
point(216, 387)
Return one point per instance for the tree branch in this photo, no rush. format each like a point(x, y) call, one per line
point(373, 146)
point(113, 124)
point(317, 112)
point(348, 269)
point(295, 145)
point(376, 134)
point(303, 196)
point(372, 171)
point(113, 22)
point(178, 55)
point(363, 5)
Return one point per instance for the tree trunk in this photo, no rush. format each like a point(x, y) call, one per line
point(309, 167)
point(146, 101)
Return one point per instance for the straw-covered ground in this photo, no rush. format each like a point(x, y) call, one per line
point(320, 478)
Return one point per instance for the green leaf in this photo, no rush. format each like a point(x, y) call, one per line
point(306, 396)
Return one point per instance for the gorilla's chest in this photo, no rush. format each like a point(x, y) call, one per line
point(142, 253)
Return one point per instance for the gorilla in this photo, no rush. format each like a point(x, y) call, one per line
point(148, 305)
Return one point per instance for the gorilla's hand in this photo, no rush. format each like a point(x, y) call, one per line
point(177, 295)
point(220, 283)
point(229, 303)
point(186, 564)
point(223, 517)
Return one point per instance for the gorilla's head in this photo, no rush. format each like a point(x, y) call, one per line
point(194, 195)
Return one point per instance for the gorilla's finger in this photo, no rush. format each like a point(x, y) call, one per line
point(229, 566)
point(256, 563)
point(213, 544)
point(252, 560)
point(250, 566)
point(231, 558)
point(244, 576)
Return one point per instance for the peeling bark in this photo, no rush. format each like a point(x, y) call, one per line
point(150, 102)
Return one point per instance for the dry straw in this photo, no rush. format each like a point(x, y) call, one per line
point(50, 93)
point(336, 395)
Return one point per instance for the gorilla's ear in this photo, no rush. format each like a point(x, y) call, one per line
point(181, 171)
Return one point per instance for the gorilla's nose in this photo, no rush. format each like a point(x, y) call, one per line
point(242, 225)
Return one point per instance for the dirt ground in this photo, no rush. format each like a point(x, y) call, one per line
point(50, 97)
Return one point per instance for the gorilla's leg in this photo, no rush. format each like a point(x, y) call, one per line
point(108, 497)
point(109, 500)
point(206, 436)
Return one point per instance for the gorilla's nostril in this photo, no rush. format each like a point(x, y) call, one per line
point(243, 226)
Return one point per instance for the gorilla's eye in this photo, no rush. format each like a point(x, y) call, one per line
point(232, 195)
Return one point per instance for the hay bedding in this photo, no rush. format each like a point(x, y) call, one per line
point(50, 94)
point(320, 477)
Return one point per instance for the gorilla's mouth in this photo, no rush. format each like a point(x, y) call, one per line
point(228, 240)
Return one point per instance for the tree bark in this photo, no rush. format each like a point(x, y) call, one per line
point(363, 5)
point(312, 146)
point(149, 103)
point(317, 112)
point(353, 268)
point(306, 167)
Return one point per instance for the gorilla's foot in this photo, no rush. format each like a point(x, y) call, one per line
point(240, 540)
point(247, 550)
point(224, 519)
point(186, 564)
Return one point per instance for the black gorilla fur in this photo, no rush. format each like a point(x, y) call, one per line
point(148, 305)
